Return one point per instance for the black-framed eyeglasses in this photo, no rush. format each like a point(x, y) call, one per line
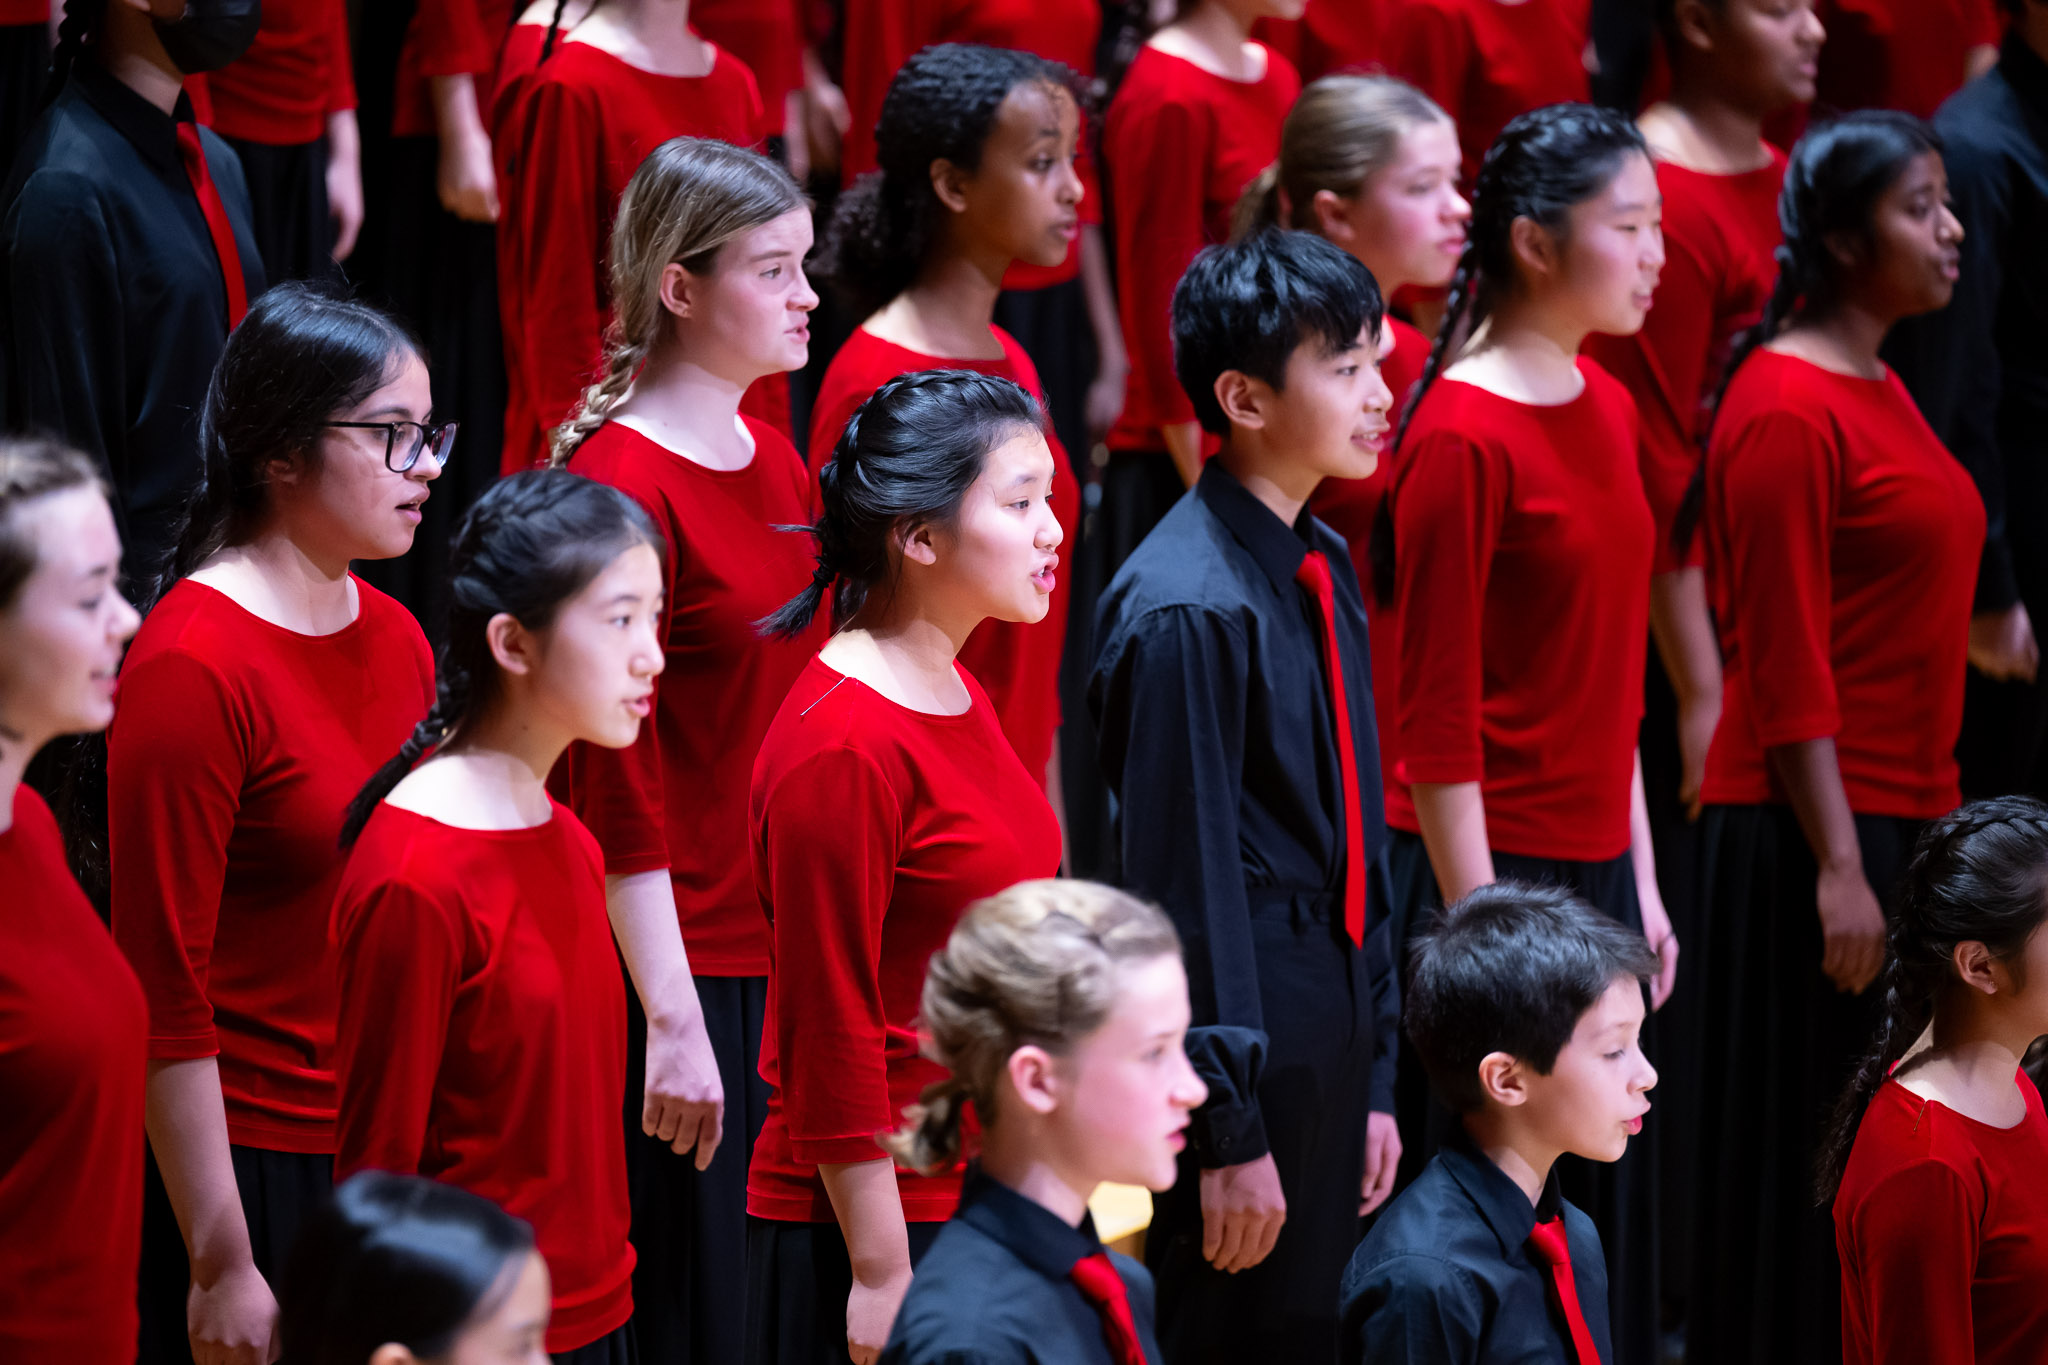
point(404, 441)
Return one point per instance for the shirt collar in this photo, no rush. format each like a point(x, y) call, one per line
point(1276, 547)
point(154, 133)
point(2025, 72)
point(1033, 1233)
point(1499, 1199)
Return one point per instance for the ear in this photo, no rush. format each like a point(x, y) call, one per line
point(1693, 22)
point(1333, 218)
point(677, 287)
point(918, 544)
point(287, 471)
point(949, 183)
point(1978, 969)
point(1504, 1079)
point(1033, 1076)
point(1244, 400)
point(512, 644)
point(1847, 248)
point(1535, 247)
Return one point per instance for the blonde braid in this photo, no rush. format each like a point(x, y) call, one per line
point(622, 360)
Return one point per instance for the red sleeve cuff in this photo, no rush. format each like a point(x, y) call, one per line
point(632, 863)
point(1443, 771)
point(839, 1151)
point(184, 1047)
point(1798, 729)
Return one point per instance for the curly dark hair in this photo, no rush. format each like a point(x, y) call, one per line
point(941, 106)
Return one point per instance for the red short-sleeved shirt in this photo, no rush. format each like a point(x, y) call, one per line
point(235, 748)
point(296, 73)
point(580, 125)
point(1842, 548)
point(874, 827)
point(1719, 233)
point(72, 1058)
point(1351, 507)
point(1900, 54)
point(482, 1038)
point(1942, 1224)
point(446, 38)
point(1018, 663)
point(880, 35)
point(1522, 579)
point(1486, 61)
point(1179, 145)
point(677, 798)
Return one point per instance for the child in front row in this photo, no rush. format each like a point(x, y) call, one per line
point(1061, 1008)
point(1526, 1007)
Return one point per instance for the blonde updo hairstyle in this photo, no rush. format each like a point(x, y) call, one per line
point(1340, 133)
point(1036, 964)
point(688, 199)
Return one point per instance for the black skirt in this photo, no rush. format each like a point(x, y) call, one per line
point(278, 1189)
point(1620, 1197)
point(1766, 1282)
point(798, 1280)
point(690, 1227)
point(288, 204)
point(616, 1347)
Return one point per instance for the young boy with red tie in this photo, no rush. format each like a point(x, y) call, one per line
point(1232, 696)
point(1526, 1006)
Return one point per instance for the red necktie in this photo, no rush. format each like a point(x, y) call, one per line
point(1547, 1240)
point(217, 225)
point(1314, 574)
point(1103, 1287)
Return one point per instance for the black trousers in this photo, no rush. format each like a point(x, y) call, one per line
point(798, 1280)
point(1622, 1197)
point(1766, 1282)
point(616, 1347)
point(278, 1189)
point(1314, 1095)
point(690, 1227)
point(288, 203)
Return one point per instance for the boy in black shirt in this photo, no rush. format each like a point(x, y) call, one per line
point(1526, 1007)
point(1248, 801)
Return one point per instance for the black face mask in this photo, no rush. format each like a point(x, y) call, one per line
point(211, 34)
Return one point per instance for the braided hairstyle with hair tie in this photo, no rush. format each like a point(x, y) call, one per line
point(1979, 874)
point(81, 21)
point(532, 542)
point(547, 44)
point(1838, 173)
point(1544, 164)
point(907, 458)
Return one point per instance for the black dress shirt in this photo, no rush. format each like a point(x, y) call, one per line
point(1979, 368)
point(1219, 745)
point(1445, 1277)
point(112, 307)
point(997, 1288)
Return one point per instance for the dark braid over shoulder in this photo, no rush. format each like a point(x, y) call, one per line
point(1979, 874)
point(81, 21)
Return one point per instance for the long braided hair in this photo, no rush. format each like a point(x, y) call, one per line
point(1979, 874)
point(81, 21)
point(1544, 164)
point(530, 544)
point(547, 44)
point(1837, 174)
point(907, 457)
point(688, 199)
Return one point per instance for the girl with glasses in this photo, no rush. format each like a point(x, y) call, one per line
point(265, 685)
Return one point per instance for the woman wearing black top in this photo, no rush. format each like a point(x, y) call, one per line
point(128, 254)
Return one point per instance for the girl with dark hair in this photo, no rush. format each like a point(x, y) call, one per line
point(1063, 314)
point(1939, 1211)
point(1843, 544)
point(1520, 545)
point(73, 1022)
point(977, 148)
point(482, 1019)
point(606, 92)
point(1486, 61)
point(396, 1270)
point(264, 686)
point(708, 280)
point(1195, 119)
point(886, 799)
point(117, 184)
point(1061, 1009)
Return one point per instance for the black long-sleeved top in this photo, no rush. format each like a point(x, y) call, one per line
point(1979, 367)
point(1445, 1277)
point(112, 307)
point(997, 1288)
point(1219, 745)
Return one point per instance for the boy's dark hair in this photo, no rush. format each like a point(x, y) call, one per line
point(1246, 306)
point(1510, 968)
